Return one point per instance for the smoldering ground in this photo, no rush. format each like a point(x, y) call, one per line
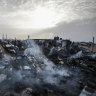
point(38, 72)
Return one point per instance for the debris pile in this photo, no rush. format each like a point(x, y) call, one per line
point(45, 67)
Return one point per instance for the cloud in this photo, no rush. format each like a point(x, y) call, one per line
point(17, 12)
point(79, 30)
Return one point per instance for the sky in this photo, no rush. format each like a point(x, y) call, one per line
point(68, 19)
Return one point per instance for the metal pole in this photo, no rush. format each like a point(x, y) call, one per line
point(3, 37)
point(6, 36)
point(93, 44)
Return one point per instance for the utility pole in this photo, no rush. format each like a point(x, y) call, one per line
point(3, 37)
point(93, 44)
point(28, 42)
point(28, 36)
point(6, 36)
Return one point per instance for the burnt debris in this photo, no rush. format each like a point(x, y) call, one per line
point(52, 67)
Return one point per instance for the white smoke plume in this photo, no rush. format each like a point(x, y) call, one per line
point(50, 70)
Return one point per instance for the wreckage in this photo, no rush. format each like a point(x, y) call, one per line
point(46, 68)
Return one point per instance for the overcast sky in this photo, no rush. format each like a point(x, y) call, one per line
point(69, 19)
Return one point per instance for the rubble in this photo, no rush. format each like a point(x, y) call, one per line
point(93, 56)
point(77, 55)
point(46, 68)
point(27, 67)
point(27, 92)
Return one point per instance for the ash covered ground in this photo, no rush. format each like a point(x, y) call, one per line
point(43, 68)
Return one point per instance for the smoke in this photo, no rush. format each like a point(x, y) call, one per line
point(5, 61)
point(49, 72)
point(7, 57)
point(35, 69)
